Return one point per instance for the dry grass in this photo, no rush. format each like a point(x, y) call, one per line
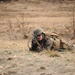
point(52, 53)
point(18, 20)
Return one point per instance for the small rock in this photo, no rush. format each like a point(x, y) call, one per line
point(42, 67)
point(25, 36)
point(9, 58)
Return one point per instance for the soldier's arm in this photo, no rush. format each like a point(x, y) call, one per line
point(49, 43)
point(34, 46)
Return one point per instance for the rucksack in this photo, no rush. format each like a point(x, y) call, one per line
point(59, 44)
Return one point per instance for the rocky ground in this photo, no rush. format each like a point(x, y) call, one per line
point(17, 20)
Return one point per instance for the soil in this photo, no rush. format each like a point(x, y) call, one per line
point(17, 21)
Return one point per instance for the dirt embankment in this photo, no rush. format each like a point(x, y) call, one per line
point(19, 19)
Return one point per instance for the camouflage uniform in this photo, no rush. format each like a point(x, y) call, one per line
point(47, 42)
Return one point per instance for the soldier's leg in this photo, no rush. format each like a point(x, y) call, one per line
point(66, 46)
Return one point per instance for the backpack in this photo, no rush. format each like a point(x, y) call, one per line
point(59, 44)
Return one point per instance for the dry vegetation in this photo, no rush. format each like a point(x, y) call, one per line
point(17, 20)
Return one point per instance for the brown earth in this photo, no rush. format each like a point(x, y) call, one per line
point(17, 20)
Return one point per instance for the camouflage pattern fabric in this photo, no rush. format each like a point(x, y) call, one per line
point(49, 43)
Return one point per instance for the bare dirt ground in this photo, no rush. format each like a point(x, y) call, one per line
point(18, 20)
point(15, 59)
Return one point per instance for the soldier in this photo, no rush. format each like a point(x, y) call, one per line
point(42, 41)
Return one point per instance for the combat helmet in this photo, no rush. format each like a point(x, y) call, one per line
point(37, 31)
